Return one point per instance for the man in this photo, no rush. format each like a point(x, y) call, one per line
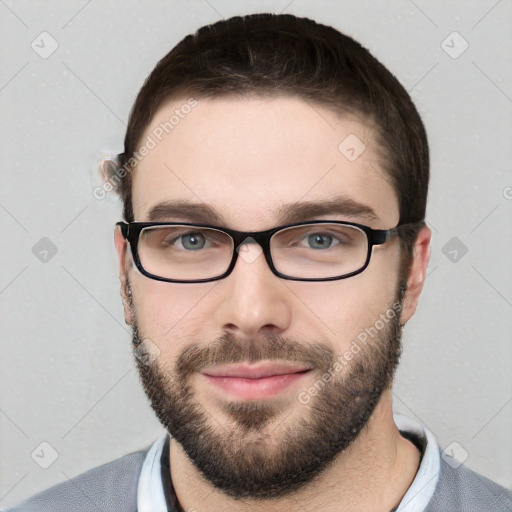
point(274, 180)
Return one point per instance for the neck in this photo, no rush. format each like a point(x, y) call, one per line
point(373, 474)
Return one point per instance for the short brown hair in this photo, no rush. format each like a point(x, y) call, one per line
point(269, 55)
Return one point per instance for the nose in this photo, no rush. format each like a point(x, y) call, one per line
point(252, 298)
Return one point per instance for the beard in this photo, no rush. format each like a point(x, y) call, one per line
point(257, 454)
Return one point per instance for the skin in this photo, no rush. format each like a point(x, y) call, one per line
point(245, 158)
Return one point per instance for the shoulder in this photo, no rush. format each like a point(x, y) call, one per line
point(463, 490)
point(111, 487)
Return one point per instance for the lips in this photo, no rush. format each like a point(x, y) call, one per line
point(246, 371)
point(255, 382)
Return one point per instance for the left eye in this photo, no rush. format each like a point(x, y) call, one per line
point(320, 241)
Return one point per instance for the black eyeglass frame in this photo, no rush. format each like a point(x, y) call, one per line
point(131, 232)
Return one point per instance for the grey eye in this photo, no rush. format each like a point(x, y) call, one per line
point(318, 241)
point(193, 241)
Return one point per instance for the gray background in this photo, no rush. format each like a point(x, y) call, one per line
point(67, 375)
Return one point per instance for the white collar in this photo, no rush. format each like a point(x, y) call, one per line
point(424, 484)
point(151, 497)
point(150, 491)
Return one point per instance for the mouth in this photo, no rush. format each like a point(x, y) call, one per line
point(256, 381)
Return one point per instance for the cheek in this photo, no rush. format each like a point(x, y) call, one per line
point(168, 312)
point(339, 308)
point(342, 309)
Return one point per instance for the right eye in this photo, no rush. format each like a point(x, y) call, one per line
point(192, 241)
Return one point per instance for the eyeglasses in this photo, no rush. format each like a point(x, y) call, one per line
point(320, 250)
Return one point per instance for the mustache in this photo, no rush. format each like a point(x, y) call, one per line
point(228, 349)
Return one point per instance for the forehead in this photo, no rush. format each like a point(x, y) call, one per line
point(246, 159)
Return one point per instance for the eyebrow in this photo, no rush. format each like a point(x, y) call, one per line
point(287, 214)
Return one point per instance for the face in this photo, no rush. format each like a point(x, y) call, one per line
point(249, 161)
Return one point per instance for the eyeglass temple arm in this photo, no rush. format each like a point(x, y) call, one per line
point(124, 228)
point(382, 236)
point(415, 226)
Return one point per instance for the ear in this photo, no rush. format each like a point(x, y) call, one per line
point(417, 274)
point(124, 265)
